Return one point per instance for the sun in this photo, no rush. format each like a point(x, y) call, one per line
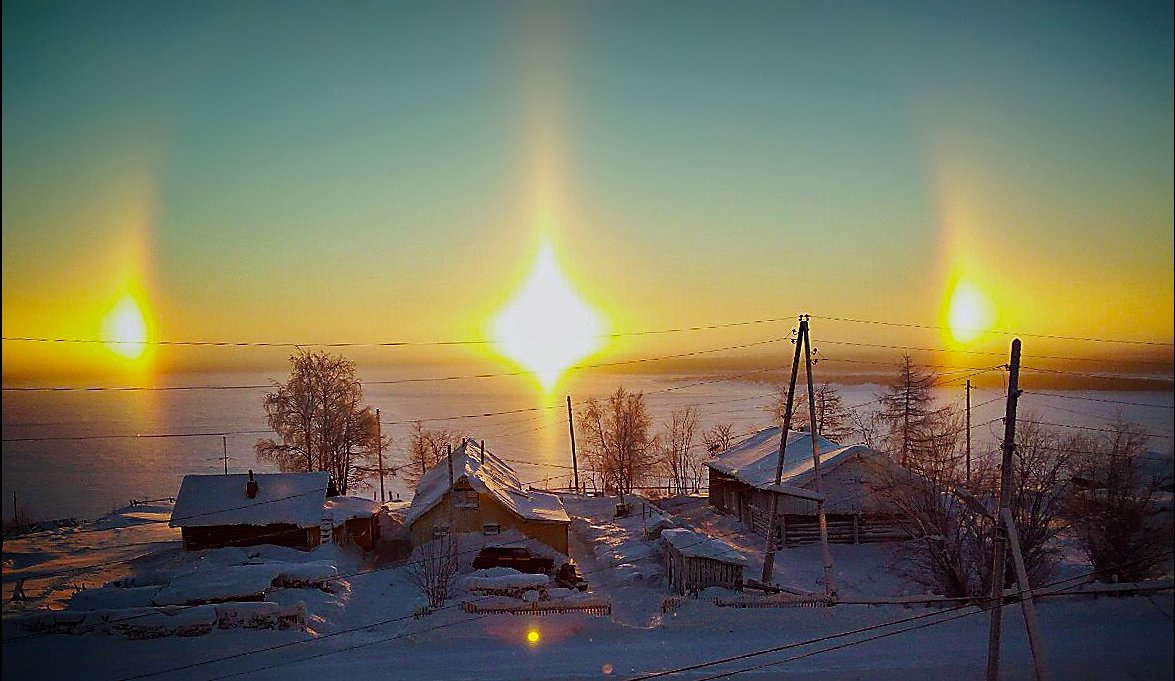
point(546, 327)
point(969, 312)
point(124, 329)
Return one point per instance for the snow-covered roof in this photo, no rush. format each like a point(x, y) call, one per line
point(493, 477)
point(342, 509)
point(695, 545)
point(753, 460)
point(208, 500)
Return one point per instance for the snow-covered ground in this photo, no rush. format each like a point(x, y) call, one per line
point(355, 614)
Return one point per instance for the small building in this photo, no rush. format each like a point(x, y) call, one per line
point(286, 509)
point(742, 482)
point(485, 497)
point(695, 561)
point(354, 520)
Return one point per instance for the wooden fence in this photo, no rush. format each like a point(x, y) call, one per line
point(842, 529)
point(593, 607)
point(781, 601)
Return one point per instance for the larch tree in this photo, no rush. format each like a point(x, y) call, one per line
point(833, 420)
point(908, 413)
point(320, 421)
point(426, 448)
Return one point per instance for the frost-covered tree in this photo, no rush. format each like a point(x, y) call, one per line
point(1115, 504)
point(432, 569)
point(680, 458)
point(320, 421)
point(618, 440)
point(718, 438)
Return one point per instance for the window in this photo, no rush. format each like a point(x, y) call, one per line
point(440, 532)
point(465, 498)
point(491, 528)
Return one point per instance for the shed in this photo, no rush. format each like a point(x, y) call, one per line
point(742, 481)
point(485, 498)
point(354, 520)
point(695, 561)
point(248, 509)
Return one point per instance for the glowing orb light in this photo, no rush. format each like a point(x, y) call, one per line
point(124, 330)
point(969, 312)
point(532, 636)
point(546, 327)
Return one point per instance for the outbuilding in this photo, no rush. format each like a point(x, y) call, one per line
point(286, 509)
point(695, 562)
point(853, 479)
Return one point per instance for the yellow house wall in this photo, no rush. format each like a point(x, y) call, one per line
point(488, 511)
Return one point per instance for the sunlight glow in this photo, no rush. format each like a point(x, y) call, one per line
point(124, 329)
point(969, 312)
point(546, 327)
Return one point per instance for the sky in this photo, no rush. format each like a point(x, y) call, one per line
point(371, 172)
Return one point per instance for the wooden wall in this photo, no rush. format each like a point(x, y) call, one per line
point(690, 574)
point(488, 511)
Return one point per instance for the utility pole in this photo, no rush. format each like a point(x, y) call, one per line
point(571, 430)
point(379, 439)
point(829, 583)
point(999, 541)
point(449, 456)
point(224, 441)
point(968, 432)
point(773, 514)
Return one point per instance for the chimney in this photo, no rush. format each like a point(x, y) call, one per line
point(251, 486)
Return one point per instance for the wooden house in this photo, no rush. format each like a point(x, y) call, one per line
point(742, 482)
point(481, 494)
point(245, 510)
point(694, 562)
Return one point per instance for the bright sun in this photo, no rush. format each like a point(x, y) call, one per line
point(546, 327)
point(124, 330)
point(969, 312)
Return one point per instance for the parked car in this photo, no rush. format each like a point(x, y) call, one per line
point(516, 557)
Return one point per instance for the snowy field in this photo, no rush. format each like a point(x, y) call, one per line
point(117, 599)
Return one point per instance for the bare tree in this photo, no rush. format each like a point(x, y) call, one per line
point(833, 420)
point(1114, 504)
point(679, 456)
point(718, 439)
point(320, 421)
point(618, 440)
point(867, 428)
point(426, 448)
point(952, 555)
point(432, 569)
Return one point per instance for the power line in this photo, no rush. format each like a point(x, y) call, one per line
point(1099, 399)
point(372, 344)
point(994, 331)
point(951, 351)
point(397, 381)
point(861, 630)
point(1100, 430)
